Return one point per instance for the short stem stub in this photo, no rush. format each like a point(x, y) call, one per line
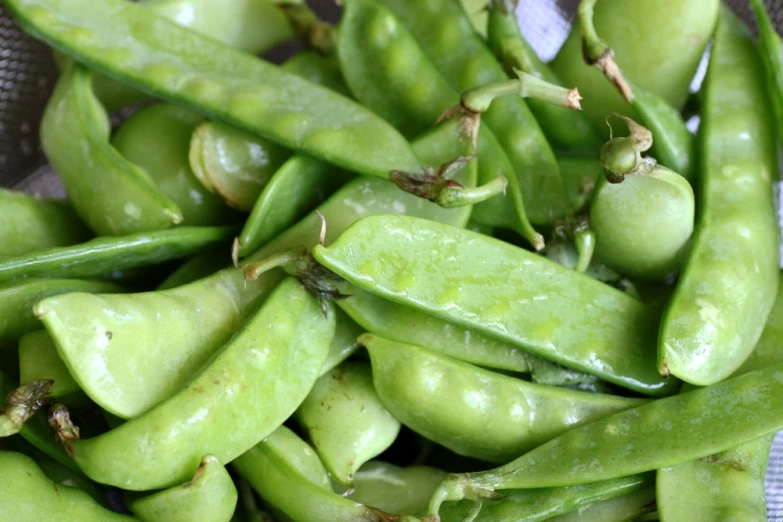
point(64, 430)
point(598, 53)
point(21, 404)
point(316, 33)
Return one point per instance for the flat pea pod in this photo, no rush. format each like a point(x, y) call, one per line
point(655, 435)
point(708, 331)
point(346, 421)
point(620, 509)
point(38, 360)
point(446, 37)
point(112, 195)
point(18, 297)
point(570, 132)
point(475, 412)
point(404, 491)
point(771, 48)
point(104, 255)
point(580, 176)
point(27, 495)
point(153, 54)
point(157, 139)
point(102, 337)
point(536, 505)
point(210, 496)
point(344, 342)
point(273, 360)
point(392, 256)
point(274, 470)
point(30, 223)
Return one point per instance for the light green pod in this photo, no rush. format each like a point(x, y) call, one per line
point(344, 343)
point(475, 412)
point(38, 359)
point(31, 223)
point(129, 352)
point(345, 420)
point(63, 475)
point(157, 139)
point(255, 382)
point(405, 491)
point(197, 267)
point(209, 497)
point(620, 509)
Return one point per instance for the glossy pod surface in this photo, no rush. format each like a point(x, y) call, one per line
point(621, 509)
point(404, 491)
point(607, 333)
point(38, 359)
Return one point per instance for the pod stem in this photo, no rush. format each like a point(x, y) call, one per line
point(21, 404)
point(318, 34)
point(598, 53)
point(65, 432)
point(458, 487)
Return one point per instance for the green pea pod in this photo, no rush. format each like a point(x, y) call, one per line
point(536, 505)
point(274, 469)
point(345, 420)
point(580, 175)
point(709, 330)
point(27, 495)
point(101, 337)
point(655, 435)
point(210, 496)
point(18, 297)
point(157, 139)
point(772, 53)
point(620, 509)
point(151, 53)
point(38, 360)
point(101, 256)
point(508, 293)
point(112, 195)
point(273, 360)
point(475, 412)
point(391, 488)
point(567, 131)
point(446, 37)
point(344, 342)
point(197, 267)
point(323, 70)
point(30, 223)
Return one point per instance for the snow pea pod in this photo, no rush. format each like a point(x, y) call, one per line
point(18, 297)
point(197, 267)
point(621, 509)
point(101, 256)
point(393, 489)
point(30, 223)
point(210, 496)
point(655, 435)
point(157, 139)
point(447, 38)
point(346, 421)
point(392, 256)
point(38, 360)
point(771, 48)
point(273, 360)
point(475, 412)
point(708, 331)
point(568, 131)
point(27, 495)
point(180, 66)
point(344, 342)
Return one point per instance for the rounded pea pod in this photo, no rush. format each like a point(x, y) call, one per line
point(346, 421)
point(273, 361)
point(708, 331)
point(38, 360)
point(404, 491)
point(508, 293)
point(30, 223)
point(210, 496)
point(476, 412)
point(27, 495)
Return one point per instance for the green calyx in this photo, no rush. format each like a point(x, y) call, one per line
point(623, 156)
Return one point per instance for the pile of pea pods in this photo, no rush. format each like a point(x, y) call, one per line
point(412, 273)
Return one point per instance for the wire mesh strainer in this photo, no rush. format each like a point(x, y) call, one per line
point(28, 74)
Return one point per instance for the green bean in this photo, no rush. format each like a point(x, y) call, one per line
point(102, 256)
point(210, 496)
point(709, 330)
point(508, 293)
point(31, 223)
point(273, 360)
point(404, 491)
point(38, 360)
point(771, 48)
point(620, 509)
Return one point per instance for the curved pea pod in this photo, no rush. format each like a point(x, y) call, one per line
point(709, 330)
point(27, 495)
point(165, 337)
point(112, 195)
point(18, 297)
point(536, 505)
point(210, 496)
point(38, 360)
point(655, 435)
point(63, 475)
point(344, 342)
point(157, 139)
point(580, 176)
point(567, 131)
point(658, 45)
point(345, 420)
point(771, 48)
point(475, 412)
point(104, 255)
point(404, 491)
point(146, 51)
point(620, 509)
point(274, 467)
point(30, 223)
point(272, 361)
point(523, 306)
